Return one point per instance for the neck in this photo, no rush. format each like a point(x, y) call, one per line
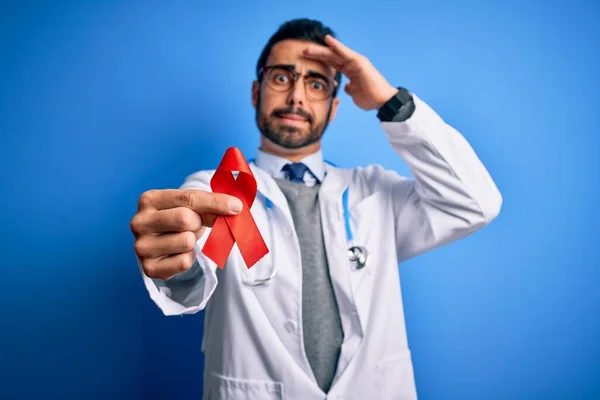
point(293, 155)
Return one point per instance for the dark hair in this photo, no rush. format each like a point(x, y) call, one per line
point(309, 30)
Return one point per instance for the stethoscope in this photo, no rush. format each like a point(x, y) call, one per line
point(357, 255)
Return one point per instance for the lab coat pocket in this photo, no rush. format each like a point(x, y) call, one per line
point(395, 378)
point(261, 272)
point(224, 388)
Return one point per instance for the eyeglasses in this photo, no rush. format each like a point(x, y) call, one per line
point(281, 78)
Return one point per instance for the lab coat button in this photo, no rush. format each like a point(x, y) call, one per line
point(290, 326)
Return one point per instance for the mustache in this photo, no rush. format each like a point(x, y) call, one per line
point(293, 111)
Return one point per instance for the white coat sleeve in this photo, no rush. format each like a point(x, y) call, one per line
point(452, 194)
point(190, 291)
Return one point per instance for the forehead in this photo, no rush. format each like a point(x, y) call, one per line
point(290, 52)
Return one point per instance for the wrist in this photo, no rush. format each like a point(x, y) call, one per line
point(386, 95)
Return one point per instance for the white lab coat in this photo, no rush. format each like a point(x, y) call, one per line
point(253, 342)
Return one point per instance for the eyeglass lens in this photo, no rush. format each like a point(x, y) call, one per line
point(282, 79)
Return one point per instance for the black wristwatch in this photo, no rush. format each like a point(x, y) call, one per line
point(397, 109)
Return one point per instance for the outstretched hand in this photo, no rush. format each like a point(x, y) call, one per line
point(367, 87)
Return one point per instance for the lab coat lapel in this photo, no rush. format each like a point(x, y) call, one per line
point(268, 189)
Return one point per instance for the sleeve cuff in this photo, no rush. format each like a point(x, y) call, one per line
point(186, 293)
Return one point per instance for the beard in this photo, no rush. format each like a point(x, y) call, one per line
point(289, 136)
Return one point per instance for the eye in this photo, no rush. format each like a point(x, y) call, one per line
point(318, 85)
point(280, 78)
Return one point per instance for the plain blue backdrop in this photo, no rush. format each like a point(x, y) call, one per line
point(100, 101)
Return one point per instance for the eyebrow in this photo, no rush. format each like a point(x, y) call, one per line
point(315, 74)
point(310, 73)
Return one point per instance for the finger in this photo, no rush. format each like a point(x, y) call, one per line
point(339, 48)
point(197, 200)
point(350, 88)
point(168, 244)
point(177, 219)
point(323, 54)
point(166, 267)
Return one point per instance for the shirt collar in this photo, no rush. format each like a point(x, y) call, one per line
point(273, 164)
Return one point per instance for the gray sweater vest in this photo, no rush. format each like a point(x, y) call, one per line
point(322, 327)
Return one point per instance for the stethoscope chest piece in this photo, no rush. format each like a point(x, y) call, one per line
point(358, 255)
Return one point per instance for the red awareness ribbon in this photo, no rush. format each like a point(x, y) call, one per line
point(240, 228)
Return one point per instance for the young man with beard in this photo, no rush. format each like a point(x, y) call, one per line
point(309, 320)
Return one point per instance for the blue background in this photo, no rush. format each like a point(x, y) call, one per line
point(100, 101)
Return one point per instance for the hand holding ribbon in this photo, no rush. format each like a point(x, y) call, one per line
point(241, 228)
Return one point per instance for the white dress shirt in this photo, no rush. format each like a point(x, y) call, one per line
point(273, 165)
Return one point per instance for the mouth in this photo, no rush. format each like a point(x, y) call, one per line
point(292, 119)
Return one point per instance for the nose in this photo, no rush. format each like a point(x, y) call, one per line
point(296, 94)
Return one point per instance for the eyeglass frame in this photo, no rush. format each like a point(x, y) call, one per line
point(295, 75)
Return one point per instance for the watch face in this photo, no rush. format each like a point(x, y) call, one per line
point(392, 106)
point(403, 95)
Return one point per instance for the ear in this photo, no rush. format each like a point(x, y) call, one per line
point(255, 92)
point(334, 106)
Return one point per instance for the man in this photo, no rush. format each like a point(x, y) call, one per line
point(307, 322)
